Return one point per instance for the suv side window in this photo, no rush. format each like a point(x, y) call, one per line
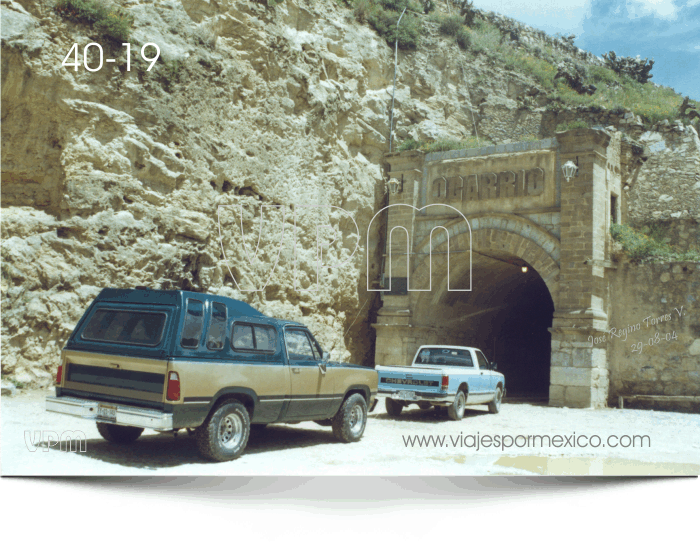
point(265, 338)
point(242, 337)
point(483, 363)
point(254, 338)
point(194, 323)
point(298, 345)
point(216, 336)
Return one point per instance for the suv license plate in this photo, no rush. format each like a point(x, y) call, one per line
point(107, 412)
point(407, 395)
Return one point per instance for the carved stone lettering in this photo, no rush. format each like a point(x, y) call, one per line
point(489, 186)
point(535, 182)
point(471, 192)
point(439, 188)
point(507, 184)
point(456, 187)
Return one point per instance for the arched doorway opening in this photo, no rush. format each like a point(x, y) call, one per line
point(507, 315)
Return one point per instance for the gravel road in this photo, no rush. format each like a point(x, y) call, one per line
point(309, 449)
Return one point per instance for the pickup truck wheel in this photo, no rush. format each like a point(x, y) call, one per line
point(393, 407)
point(456, 410)
point(495, 404)
point(349, 423)
point(118, 434)
point(224, 435)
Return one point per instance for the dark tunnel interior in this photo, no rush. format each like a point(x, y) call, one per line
point(506, 315)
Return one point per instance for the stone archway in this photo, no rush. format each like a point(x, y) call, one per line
point(521, 210)
point(507, 233)
point(491, 315)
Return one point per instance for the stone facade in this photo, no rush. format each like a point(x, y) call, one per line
point(667, 185)
point(655, 348)
point(509, 204)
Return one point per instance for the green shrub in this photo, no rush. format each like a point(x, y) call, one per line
point(646, 243)
point(570, 126)
point(443, 145)
point(486, 38)
point(650, 102)
point(399, 5)
point(602, 75)
point(384, 22)
point(108, 19)
point(428, 6)
point(450, 26)
point(636, 245)
point(362, 9)
point(464, 38)
point(409, 144)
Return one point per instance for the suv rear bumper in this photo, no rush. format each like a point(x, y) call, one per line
point(124, 415)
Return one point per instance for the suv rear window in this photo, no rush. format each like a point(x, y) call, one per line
point(125, 327)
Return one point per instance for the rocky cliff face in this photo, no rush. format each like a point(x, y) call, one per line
point(124, 178)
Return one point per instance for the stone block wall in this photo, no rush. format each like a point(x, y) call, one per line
point(667, 185)
point(655, 305)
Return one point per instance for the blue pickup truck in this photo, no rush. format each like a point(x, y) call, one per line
point(446, 376)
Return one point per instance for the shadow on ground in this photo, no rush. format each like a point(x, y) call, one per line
point(166, 451)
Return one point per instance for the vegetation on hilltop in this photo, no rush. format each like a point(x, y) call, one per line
point(622, 84)
point(442, 145)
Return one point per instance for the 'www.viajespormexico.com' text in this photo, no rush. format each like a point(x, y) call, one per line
point(503, 442)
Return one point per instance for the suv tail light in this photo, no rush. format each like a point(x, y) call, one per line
point(59, 374)
point(445, 382)
point(173, 392)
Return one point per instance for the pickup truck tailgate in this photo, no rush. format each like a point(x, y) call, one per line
point(105, 376)
point(408, 379)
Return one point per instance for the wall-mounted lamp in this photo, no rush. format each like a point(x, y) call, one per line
point(524, 269)
point(570, 169)
point(395, 185)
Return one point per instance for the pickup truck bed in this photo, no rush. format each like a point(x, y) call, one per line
point(443, 376)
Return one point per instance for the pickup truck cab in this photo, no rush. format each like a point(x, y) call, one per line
point(446, 376)
point(172, 359)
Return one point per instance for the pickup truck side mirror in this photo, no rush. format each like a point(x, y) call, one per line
point(494, 366)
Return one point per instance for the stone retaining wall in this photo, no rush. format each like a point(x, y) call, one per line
point(655, 305)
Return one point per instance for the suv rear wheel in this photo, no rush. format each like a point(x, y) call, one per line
point(224, 435)
point(119, 434)
point(350, 421)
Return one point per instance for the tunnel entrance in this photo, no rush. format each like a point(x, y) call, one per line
point(506, 315)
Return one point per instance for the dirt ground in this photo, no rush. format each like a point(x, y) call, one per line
point(307, 449)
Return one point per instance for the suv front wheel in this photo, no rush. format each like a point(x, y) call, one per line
point(350, 421)
point(224, 435)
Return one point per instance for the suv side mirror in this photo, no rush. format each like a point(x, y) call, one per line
point(494, 366)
